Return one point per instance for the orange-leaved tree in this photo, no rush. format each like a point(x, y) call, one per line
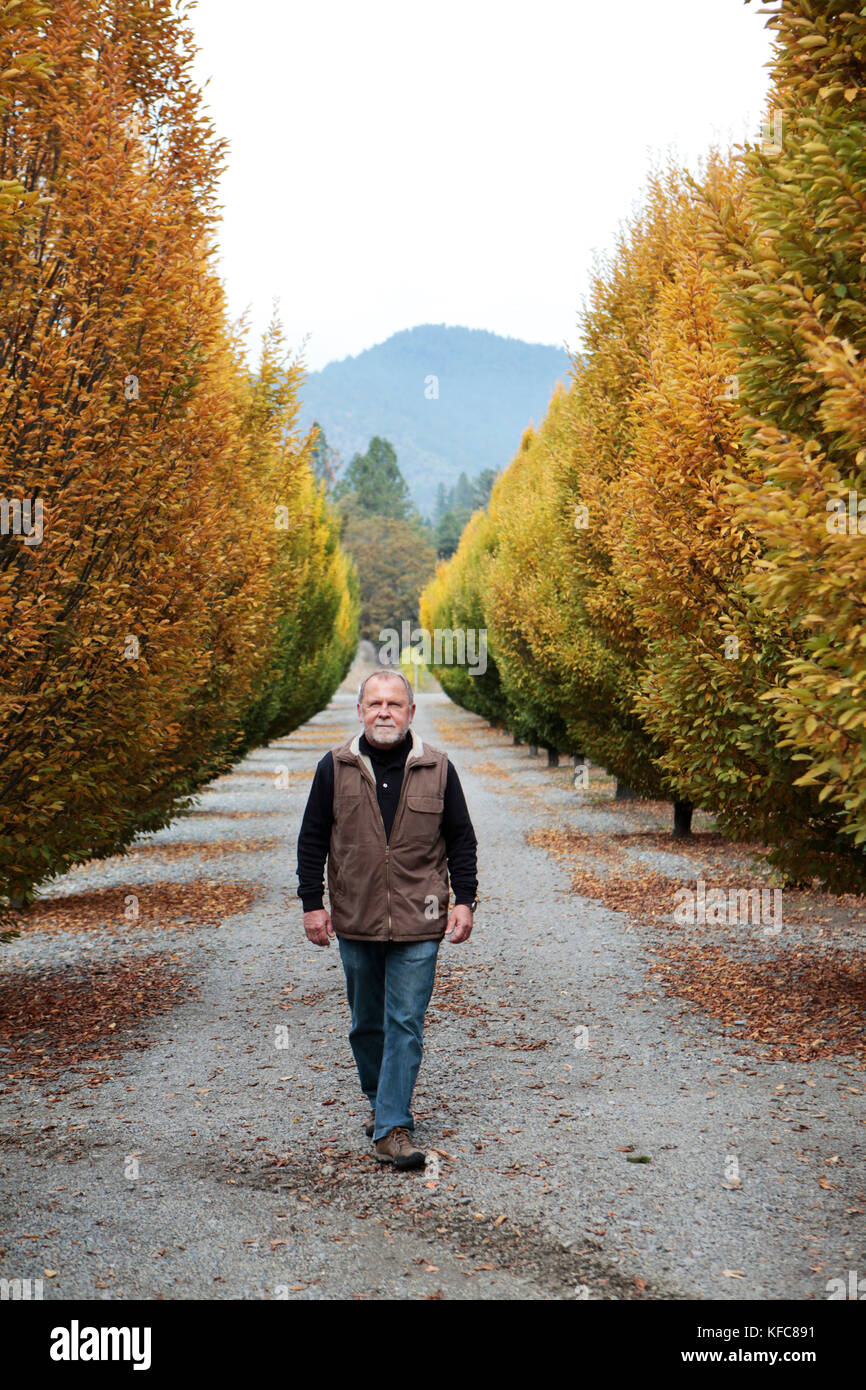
point(313, 605)
point(135, 603)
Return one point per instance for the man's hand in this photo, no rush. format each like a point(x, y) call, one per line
point(459, 924)
point(318, 927)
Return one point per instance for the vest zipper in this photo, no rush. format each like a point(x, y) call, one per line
point(388, 851)
point(387, 847)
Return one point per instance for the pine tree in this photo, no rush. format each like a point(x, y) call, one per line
point(373, 484)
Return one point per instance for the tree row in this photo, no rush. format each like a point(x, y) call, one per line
point(172, 589)
point(672, 570)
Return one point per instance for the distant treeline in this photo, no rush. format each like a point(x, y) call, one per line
point(451, 400)
point(394, 547)
point(455, 505)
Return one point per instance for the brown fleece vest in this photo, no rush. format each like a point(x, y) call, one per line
point(394, 890)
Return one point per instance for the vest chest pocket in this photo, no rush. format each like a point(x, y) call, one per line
point(423, 816)
point(357, 825)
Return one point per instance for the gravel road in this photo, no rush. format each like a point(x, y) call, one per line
point(223, 1155)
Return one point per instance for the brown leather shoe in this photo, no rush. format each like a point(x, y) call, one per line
point(368, 1129)
point(396, 1147)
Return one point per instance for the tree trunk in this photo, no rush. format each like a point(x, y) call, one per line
point(533, 748)
point(516, 741)
point(624, 792)
point(682, 819)
point(552, 757)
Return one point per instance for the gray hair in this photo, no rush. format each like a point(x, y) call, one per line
point(394, 675)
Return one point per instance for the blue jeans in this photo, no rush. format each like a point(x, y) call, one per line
point(388, 985)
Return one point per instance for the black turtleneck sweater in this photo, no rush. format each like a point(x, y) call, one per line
point(388, 765)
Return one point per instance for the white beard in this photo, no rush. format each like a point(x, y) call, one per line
point(386, 735)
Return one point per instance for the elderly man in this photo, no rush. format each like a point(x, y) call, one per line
point(389, 813)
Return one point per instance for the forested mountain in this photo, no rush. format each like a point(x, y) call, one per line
point(451, 400)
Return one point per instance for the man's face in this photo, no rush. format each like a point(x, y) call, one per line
point(385, 711)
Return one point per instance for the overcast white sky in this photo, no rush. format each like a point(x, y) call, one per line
point(395, 163)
